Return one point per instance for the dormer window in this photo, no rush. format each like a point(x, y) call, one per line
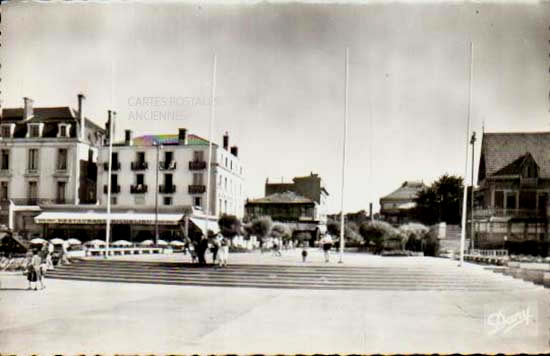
point(34, 130)
point(7, 130)
point(64, 130)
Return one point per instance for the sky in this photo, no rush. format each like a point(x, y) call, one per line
point(280, 79)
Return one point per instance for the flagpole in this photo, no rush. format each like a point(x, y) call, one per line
point(465, 195)
point(212, 114)
point(108, 227)
point(342, 226)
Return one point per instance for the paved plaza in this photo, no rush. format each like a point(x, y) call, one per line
point(72, 317)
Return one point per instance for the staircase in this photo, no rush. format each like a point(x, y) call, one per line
point(445, 278)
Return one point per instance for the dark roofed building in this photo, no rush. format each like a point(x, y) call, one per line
point(514, 184)
point(396, 207)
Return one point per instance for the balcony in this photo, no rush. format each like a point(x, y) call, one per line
point(115, 189)
point(139, 166)
point(528, 182)
point(197, 188)
point(197, 165)
point(115, 166)
point(167, 166)
point(512, 213)
point(167, 189)
point(138, 189)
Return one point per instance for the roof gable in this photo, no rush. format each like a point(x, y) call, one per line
point(508, 150)
point(286, 198)
point(408, 191)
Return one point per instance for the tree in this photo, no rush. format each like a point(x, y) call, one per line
point(230, 225)
point(351, 231)
point(262, 226)
point(440, 201)
point(281, 231)
point(375, 233)
point(416, 234)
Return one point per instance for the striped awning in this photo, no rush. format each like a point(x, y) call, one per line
point(95, 217)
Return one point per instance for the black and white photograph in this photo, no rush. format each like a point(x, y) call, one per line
point(274, 177)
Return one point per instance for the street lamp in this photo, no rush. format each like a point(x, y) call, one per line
point(158, 146)
point(472, 233)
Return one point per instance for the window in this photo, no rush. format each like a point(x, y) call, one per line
point(33, 159)
point(198, 156)
point(499, 199)
point(167, 200)
point(225, 183)
point(34, 131)
point(511, 200)
point(62, 159)
point(220, 205)
point(225, 162)
point(6, 131)
point(197, 178)
point(140, 178)
point(33, 190)
point(197, 201)
point(141, 157)
point(113, 201)
point(63, 131)
point(5, 160)
point(4, 191)
point(168, 182)
point(61, 192)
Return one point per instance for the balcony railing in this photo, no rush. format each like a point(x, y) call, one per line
point(519, 213)
point(139, 166)
point(167, 189)
point(167, 166)
point(115, 166)
point(138, 189)
point(114, 189)
point(197, 189)
point(197, 165)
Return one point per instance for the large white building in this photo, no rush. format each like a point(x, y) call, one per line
point(181, 178)
point(48, 158)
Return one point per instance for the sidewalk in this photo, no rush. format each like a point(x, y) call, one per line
point(70, 317)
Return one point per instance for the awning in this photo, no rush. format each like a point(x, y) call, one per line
point(94, 217)
point(209, 225)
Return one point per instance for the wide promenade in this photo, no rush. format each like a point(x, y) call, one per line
point(70, 317)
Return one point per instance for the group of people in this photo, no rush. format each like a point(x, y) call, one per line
point(218, 246)
point(38, 262)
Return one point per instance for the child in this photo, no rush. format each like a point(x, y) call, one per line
point(304, 252)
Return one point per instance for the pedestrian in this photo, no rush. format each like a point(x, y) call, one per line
point(64, 254)
point(201, 250)
point(49, 261)
point(31, 273)
point(43, 268)
point(304, 252)
point(224, 252)
point(216, 244)
point(327, 245)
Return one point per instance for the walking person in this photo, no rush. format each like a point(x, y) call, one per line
point(224, 252)
point(216, 244)
point(327, 245)
point(202, 246)
point(304, 252)
point(43, 268)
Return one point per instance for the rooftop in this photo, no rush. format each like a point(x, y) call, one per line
point(407, 191)
point(500, 150)
point(286, 198)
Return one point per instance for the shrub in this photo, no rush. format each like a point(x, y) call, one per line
point(415, 233)
point(431, 246)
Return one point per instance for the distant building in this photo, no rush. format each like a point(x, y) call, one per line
point(311, 187)
point(300, 204)
point(301, 214)
point(396, 207)
point(514, 185)
point(48, 157)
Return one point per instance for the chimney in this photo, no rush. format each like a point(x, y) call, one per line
point(182, 136)
point(27, 109)
point(235, 151)
point(81, 97)
point(128, 137)
point(226, 141)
